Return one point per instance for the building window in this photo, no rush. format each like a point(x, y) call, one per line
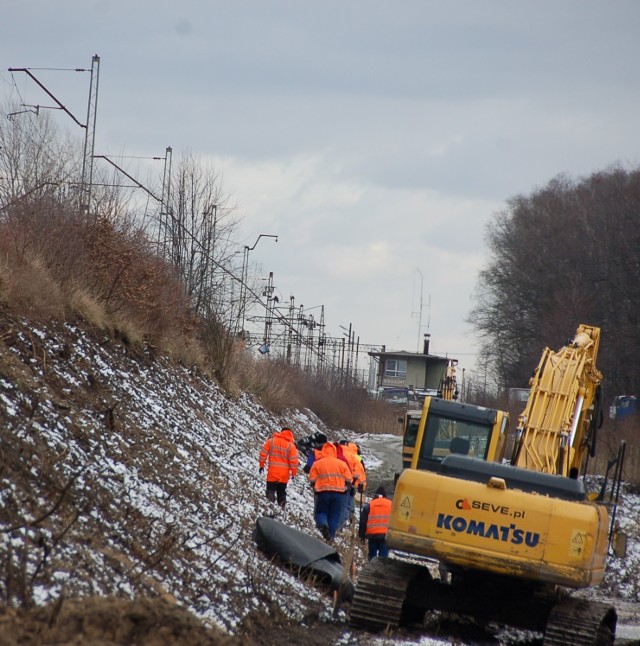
point(395, 368)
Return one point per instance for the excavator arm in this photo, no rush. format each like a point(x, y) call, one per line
point(556, 430)
point(449, 384)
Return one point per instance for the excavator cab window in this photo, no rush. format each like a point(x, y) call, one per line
point(411, 426)
point(446, 435)
point(411, 431)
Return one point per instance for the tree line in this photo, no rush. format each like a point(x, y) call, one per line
point(568, 253)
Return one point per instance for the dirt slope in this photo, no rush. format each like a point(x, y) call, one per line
point(126, 479)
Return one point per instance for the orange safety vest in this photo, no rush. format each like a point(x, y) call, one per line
point(282, 454)
point(379, 515)
point(329, 473)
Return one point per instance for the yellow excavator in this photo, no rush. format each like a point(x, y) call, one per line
point(514, 536)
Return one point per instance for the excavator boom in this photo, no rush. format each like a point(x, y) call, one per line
point(558, 423)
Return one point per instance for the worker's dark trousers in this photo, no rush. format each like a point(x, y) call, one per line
point(277, 491)
point(329, 507)
point(378, 547)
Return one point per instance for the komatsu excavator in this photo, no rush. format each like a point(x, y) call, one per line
point(514, 536)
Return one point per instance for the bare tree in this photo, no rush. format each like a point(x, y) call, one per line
point(564, 255)
point(34, 158)
point(197, 235)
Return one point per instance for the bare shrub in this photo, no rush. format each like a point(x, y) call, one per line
point(43, 248)
point(127, 329)
point(345, 406)
point(101, 269)
point(30, 289)
point(188, 351)
point(137, 288)
point(222, 351)
point(280, 386)
point(46, 224)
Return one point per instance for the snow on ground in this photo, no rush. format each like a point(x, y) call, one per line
point(174, 468)
point(163, 484)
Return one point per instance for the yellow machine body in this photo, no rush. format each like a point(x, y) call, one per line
point(554, 428)
point(494, 528)
point(435, 427)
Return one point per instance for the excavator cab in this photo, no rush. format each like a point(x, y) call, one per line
point(447, 391)
point(411, 424)
point(448, 427)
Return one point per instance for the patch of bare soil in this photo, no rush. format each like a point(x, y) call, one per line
point(260, 629)
point(108, 621)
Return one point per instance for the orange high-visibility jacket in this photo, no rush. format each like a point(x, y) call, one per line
point(342, 455)
point(282, 454)
point(329, 473)
point(351, 453)
point(379, 515)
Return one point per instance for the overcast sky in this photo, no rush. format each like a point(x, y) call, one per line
point(376, 139)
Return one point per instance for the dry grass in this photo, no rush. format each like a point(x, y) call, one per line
point(270, 381)
point(31, 290)
point(86, 306)
point(280, 386)
point(55, 263)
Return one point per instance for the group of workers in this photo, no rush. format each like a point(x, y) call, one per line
point(336, 472)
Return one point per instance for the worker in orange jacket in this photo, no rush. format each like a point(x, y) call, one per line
point(315, 453)
point(357, 465)
point(349, 451)
point(331, 478)
point(281, 453)
point(374, 522)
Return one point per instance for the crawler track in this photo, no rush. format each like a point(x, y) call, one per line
point(388, 591)
point(380, 593)
point(579, 622)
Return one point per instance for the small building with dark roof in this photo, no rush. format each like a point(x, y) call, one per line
point(410, 370)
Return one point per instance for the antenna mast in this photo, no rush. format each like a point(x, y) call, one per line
point(90, 134)
point(418, 314)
